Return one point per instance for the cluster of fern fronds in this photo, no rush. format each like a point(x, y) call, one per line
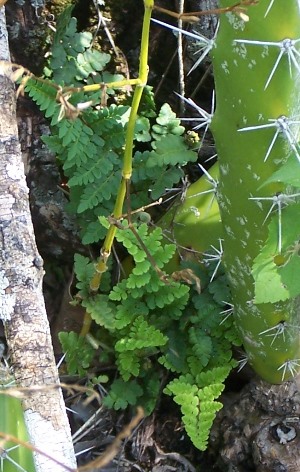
point(166, 334)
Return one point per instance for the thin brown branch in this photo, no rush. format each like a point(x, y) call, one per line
point(193, 16)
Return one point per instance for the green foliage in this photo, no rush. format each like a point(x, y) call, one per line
point(156, 324)
point(122, 394)
point(258, 191)
point(44, 95)
point(79, 353)
point(160, 168)
point(90, 147)
point(274, 273)
point(141, 336)
point(287, 174)
point(197, 399)
point(72, 58)
point(168, 151)
point(84, 270)
point(273, 270)
point(167, 124)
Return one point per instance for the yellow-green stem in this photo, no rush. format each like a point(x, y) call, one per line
point(127, 163)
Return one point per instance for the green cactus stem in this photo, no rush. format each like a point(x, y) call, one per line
point(14, 457)
point(255, 126)
point(193, 222)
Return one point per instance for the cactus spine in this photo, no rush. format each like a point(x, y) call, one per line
point(256, 67)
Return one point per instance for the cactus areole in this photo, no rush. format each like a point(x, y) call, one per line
point(255, 126)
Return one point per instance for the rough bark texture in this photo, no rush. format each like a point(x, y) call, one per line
point(22, 304)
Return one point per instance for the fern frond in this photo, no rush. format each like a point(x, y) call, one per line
point(101, 311)
point(79, 353)
point(171, 150)
point(202, 345)
point(74, 131)
point(92, 231)
point(141, 335)
point(44, 95)
point(71, 57)
point(217, 375)
point(167, 294)
point(91, 61)
point(197, 402)
point(139, 278)
point(84, 270)
point(175, 352)
point(166, 123)
point(140, 172)
point(128, 310)
point(166, 179)
point(94, 169)
point(122, 394)
point(96, 192)
point(220, 290)
point(54, 144)
point(142, 129)
point(119, 292)
point(129, 364)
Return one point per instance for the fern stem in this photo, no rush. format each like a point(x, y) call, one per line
point(127, 160)
point(116, 84)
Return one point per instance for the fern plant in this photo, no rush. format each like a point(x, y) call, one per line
point(159, 324)
point(159, 327)
point(90, 146)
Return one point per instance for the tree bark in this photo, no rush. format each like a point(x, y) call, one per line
point(22, 304)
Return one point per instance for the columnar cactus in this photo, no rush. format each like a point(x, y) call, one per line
point(255, 126)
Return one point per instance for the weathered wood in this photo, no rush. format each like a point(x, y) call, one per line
point(22, 304)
